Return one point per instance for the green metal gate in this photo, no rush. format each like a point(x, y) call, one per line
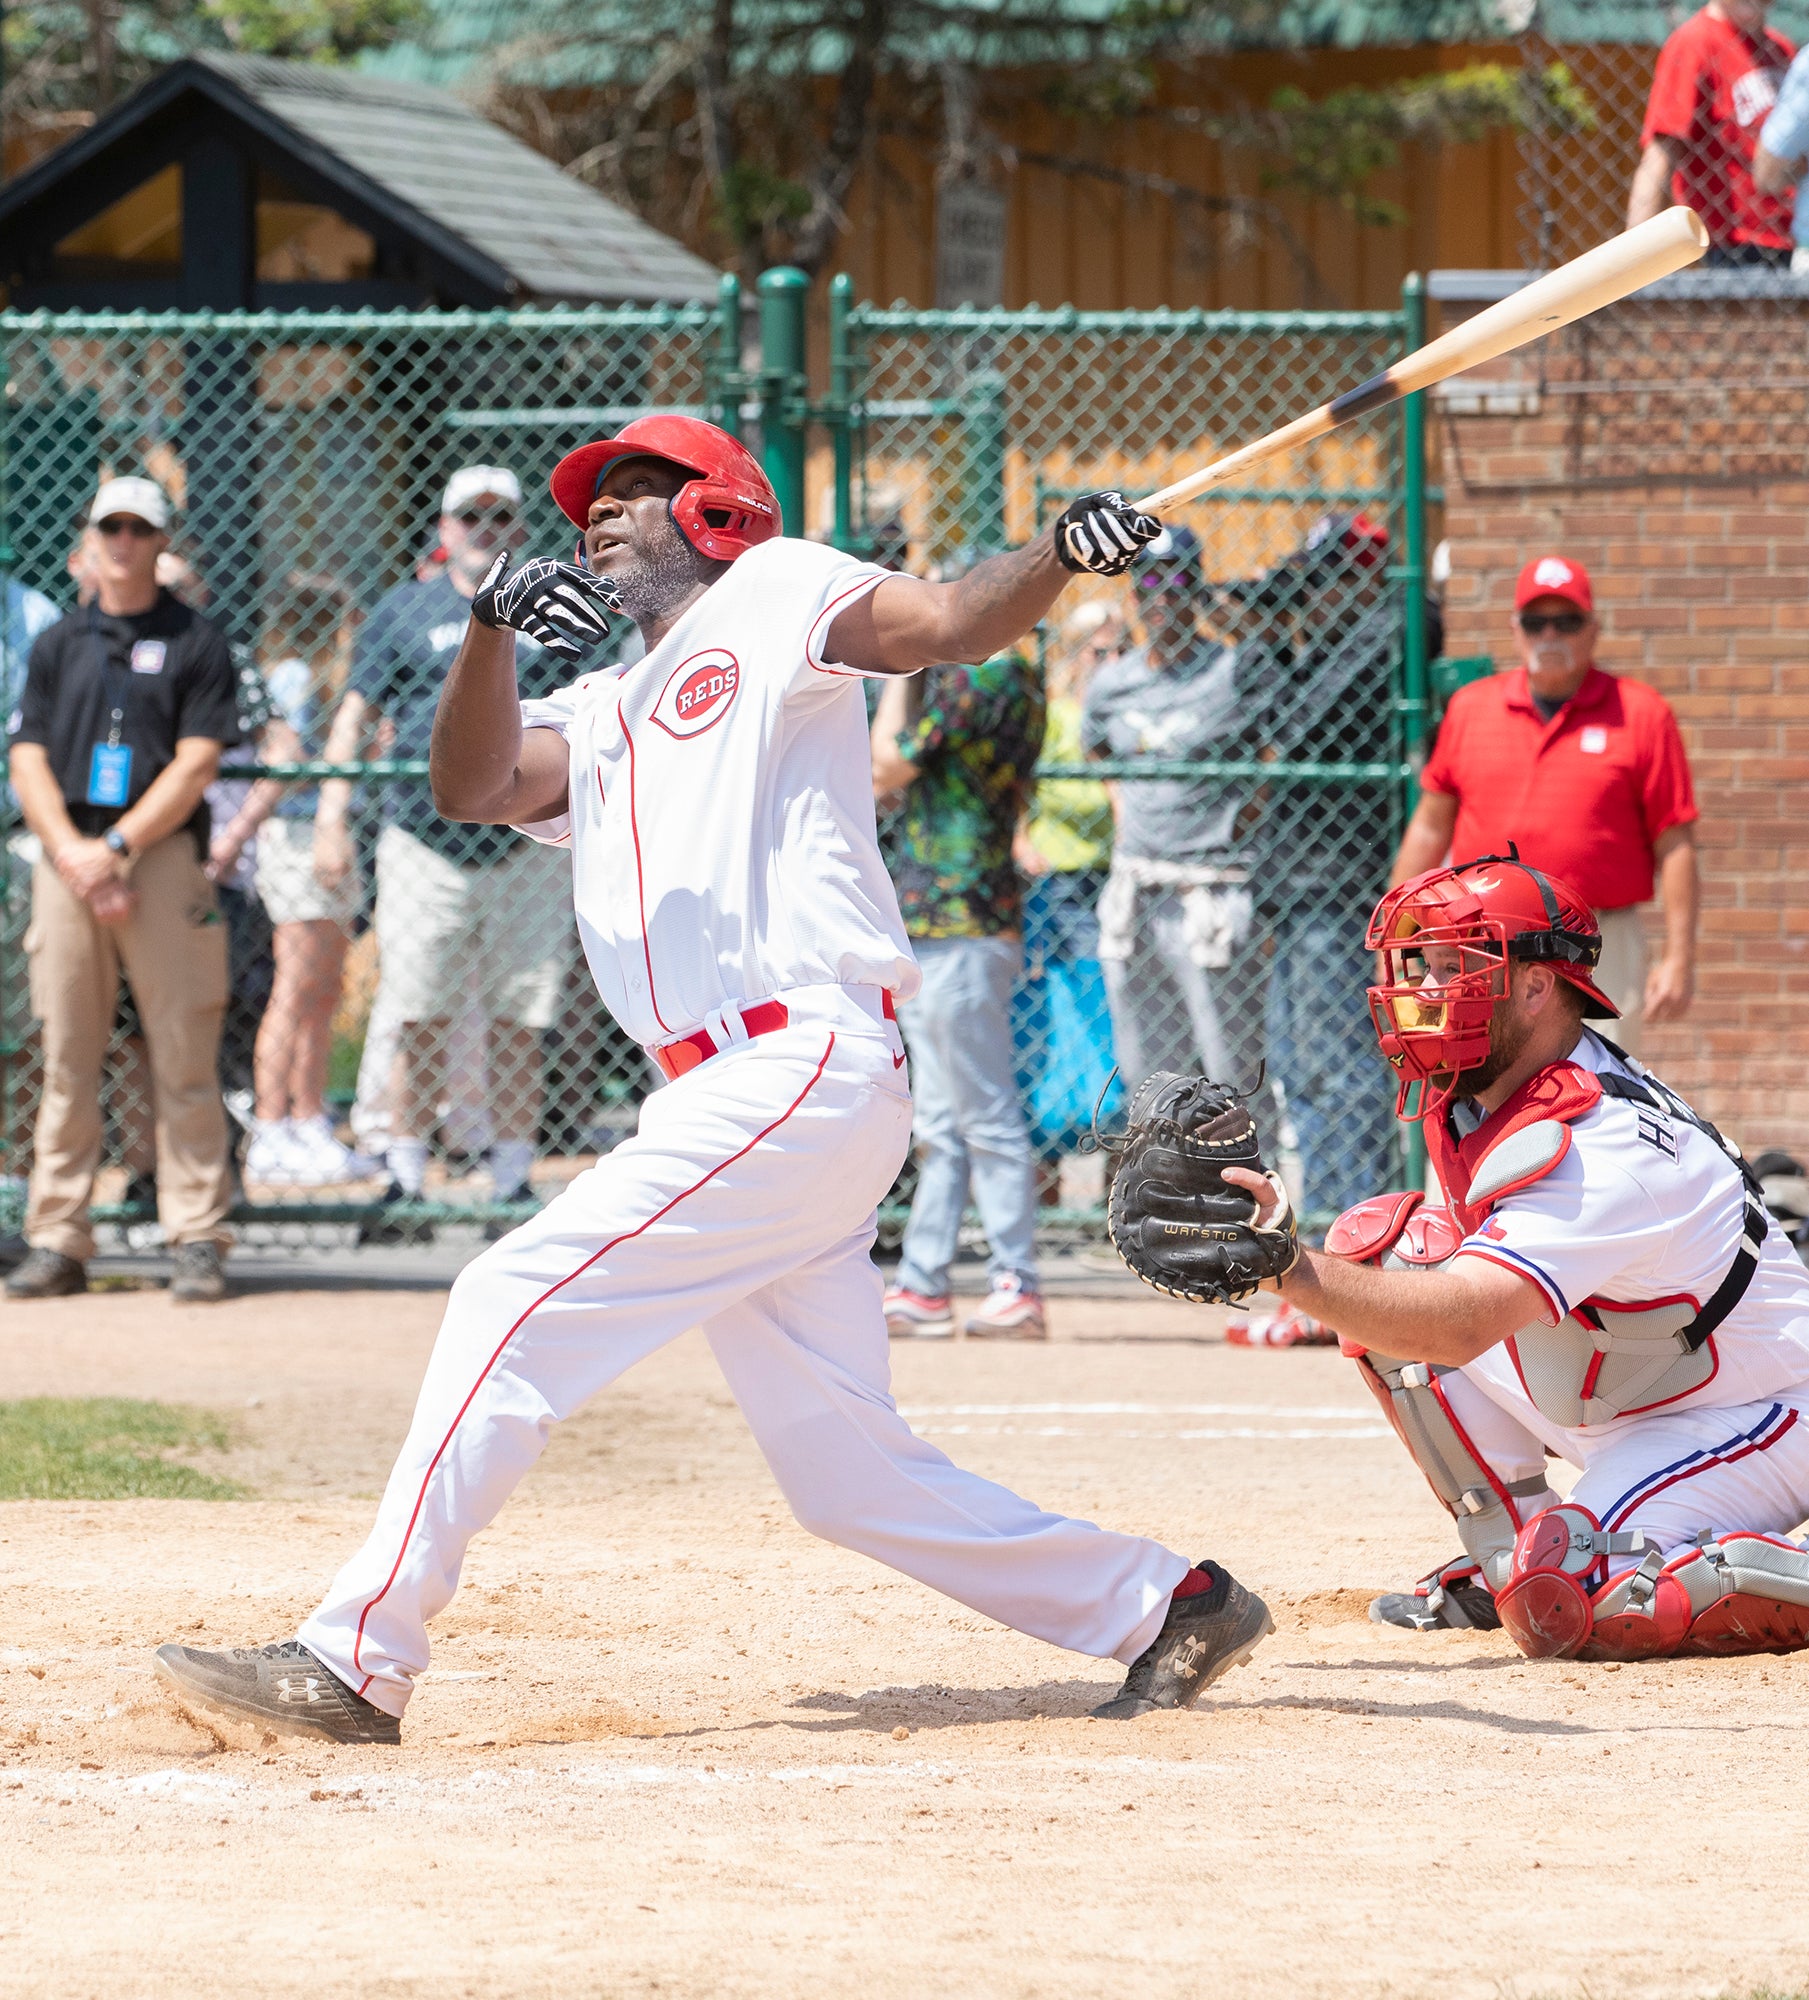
point(313, 446)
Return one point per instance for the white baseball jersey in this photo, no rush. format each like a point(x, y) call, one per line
point(721, 809)
point(1644, 1208)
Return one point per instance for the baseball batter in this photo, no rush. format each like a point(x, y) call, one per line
point(1604, 1287)
point(716, 800)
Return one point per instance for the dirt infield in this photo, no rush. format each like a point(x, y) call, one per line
point(671, 1745)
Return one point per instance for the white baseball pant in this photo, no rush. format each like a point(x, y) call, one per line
point(743, 1204)
point(1672, 1474)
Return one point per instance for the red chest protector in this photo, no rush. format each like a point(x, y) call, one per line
point(1519, 1144)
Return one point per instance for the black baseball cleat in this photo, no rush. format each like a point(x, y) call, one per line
point(1451, 1599)
point(1202, 1638)
point(283, 1687)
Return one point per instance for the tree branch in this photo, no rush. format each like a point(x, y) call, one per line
point(1237, 208)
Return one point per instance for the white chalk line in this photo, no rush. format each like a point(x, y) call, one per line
point(1190, 1436)
point(926, 1420)
point(523, 1783)
point(1347, 1412)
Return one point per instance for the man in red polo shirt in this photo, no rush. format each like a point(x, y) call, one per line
point(1585, 772)
point(1717, 79)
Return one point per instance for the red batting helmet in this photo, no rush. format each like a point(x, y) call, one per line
point(1446, 939)
point(724, 509)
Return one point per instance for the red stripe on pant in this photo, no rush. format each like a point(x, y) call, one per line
point(614, 1243)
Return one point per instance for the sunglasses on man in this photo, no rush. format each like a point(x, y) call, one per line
point(125, 524)
point(487, 517)
point(1567, 624)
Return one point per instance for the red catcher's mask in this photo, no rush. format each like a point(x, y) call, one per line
point(1447, 939)
point(724, 509)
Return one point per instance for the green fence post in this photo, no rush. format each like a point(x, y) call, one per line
point(1413, 570)
point(840, 410)
point(727, 385)
point(13, 1218)
point(1413, 707)
point(783, 384)
point(983, 463)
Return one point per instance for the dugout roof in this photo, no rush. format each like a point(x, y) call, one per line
point(244, 181)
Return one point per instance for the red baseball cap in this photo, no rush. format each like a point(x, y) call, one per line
point(1555, 576)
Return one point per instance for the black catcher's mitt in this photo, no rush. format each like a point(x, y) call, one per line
point(1173, 1218)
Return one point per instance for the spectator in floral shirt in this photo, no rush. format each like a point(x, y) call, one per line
point(956, 749)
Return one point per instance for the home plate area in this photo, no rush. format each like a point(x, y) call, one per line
point(669, 1743)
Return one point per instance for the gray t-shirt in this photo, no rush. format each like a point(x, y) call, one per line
point(1191, 709)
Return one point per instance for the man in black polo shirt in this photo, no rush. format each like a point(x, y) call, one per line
point(127, 705)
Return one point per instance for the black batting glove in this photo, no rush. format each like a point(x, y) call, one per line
point(564, 608)
point(1101, 533)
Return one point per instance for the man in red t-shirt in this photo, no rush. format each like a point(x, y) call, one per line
point(1716, 80)
point(1586, 774)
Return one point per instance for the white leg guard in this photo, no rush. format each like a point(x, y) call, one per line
point(1437, 1421)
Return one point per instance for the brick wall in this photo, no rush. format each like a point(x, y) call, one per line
point(1700, 555)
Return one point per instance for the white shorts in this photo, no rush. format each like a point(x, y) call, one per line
point(288, 888)
point(437, 924)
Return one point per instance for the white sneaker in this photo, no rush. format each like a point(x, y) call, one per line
point(1012, 1311)
point(918, 1315)
point(277, 1155)
point(333, 1161)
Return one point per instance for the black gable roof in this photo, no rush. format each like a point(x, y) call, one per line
point(466, 213)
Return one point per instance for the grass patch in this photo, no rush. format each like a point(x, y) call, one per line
point(108, 1448)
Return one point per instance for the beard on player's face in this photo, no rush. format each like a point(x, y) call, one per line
point(653, 566)
point(1509, 1032)
point(640, 547)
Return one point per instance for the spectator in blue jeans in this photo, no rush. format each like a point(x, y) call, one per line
point(957, 748)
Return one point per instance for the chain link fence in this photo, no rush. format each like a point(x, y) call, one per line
point(1194, 899)
point(430, 974)
point(1704, 376)
point(307, 456)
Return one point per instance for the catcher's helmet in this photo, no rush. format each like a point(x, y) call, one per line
point(724, 509)
point(1446, 938)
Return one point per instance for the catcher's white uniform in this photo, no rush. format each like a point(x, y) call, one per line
point(739, 921)
point(1671, 1366)
point(1644, 1208)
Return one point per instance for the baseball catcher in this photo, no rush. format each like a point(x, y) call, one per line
point(1602, 1285)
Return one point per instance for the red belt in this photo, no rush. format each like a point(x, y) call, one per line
point(764, 1017)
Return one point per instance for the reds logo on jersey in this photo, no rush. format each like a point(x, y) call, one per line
point(699, 693)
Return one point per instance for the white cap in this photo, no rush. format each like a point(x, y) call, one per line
point(470, 482)
point(142, 498)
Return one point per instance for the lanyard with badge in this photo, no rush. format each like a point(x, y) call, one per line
point(110, 763)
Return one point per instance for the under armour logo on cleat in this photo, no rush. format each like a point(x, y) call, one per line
point(1190, 1657)
point(298, 1687)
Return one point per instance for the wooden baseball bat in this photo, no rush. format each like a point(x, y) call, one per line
point(1611, 271)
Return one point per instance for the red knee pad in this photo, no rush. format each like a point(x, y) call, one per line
point(1563, 1601)
point(1544, 1604)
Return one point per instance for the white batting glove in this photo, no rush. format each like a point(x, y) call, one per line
point(560, 606)
point(1101, 533)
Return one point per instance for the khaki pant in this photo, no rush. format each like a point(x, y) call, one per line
point(1622, 973)
point(173, 950)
